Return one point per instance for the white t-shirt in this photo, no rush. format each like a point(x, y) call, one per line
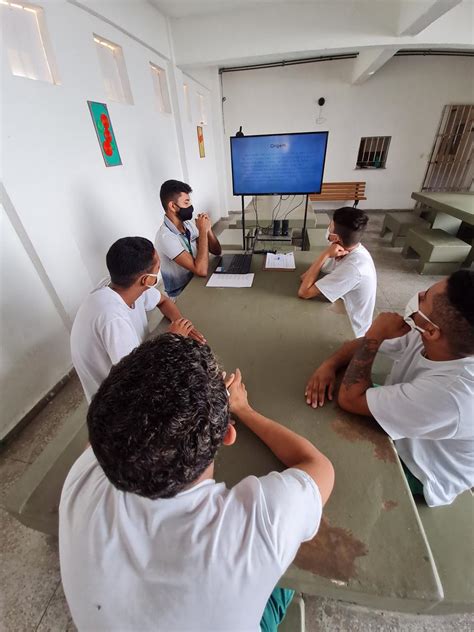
point(170, 243)
point(352, 278)
point(205, 560)
point(427, 408)
point(105, 330)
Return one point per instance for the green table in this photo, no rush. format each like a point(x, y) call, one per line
point(371, 548)
point(451, 209)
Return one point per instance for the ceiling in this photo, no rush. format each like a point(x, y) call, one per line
point(190, 8)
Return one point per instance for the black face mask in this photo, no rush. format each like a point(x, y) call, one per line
point(186, 213)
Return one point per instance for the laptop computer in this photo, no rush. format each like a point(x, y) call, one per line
point(234, 264)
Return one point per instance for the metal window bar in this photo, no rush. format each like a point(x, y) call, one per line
point(450, 165)
point(373, 152)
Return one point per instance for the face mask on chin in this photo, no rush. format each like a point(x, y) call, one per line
point(185, 213)
point(413, 307)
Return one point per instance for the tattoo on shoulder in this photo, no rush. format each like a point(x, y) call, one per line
point(360, 367)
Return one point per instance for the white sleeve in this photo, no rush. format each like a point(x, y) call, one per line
point(119, 339)
point(152, 297)
point(419, 409)
point(291, 511)
point(169, 244)
point(338, 282)
point(394, 347)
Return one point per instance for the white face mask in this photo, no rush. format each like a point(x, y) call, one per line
point(413, 307)
point(152, 284)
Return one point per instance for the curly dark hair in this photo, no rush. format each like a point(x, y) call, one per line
point(453, 312)
point(350, 224)
point(157, 420)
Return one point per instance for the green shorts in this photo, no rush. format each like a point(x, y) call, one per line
point(275, 609)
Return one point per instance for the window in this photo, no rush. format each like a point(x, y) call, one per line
point(373, 152)
point(187, 102)
point(160, 86)
point(27, 42)
point(202, 108)
point(114, 71)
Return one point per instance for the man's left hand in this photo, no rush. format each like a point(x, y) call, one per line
point(388, 325)
point(195, 334)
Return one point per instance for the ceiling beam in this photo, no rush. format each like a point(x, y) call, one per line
point(417, 16)
point(369, 61)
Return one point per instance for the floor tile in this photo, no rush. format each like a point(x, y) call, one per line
point(57, 617)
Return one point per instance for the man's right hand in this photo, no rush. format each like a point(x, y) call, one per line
point(324, 378)
point(336, 251)
point(203, 223)
point(182, 326)
point(238, 400)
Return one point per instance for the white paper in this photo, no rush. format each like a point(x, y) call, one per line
point(231, 280)
point(280, 261)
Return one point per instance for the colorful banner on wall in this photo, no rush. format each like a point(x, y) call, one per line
point(200, 133)
point(105, 133)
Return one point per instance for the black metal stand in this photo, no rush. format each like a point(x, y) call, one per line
point(243, 224)
point(303, 232)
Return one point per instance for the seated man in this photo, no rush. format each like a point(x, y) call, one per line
point(183, 245)
point(112, 320)
point(351, 271)
point(426, 405)
point(148, 540)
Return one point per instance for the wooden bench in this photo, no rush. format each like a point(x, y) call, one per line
point(340, 192)
point(399, 224)
point(439, 252)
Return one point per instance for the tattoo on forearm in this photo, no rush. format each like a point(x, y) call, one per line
point(360, 367)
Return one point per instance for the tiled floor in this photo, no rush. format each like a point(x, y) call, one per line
point(31, 592)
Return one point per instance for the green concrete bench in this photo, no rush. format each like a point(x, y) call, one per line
point(34, 499)
point(296, 222)
point(399, 224)
point(439, 252)
point(450, 532)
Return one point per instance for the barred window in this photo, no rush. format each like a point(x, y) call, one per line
point(373, 152)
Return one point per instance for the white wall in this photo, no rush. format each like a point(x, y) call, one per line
point(286, 30)
point(70, 206)
point(403, 100)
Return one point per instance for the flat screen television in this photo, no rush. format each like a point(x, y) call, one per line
point(278, 164)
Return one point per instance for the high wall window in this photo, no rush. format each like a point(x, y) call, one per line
point(114, 70)
point(160, 85)
point(187, 102)
point(27, 42)
point(202, 108)
point(373, 152)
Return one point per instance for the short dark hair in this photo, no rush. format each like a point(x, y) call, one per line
point(128, 258)
point(350, 224)
point(171, 190)
point(157, 420)
point(453, 312)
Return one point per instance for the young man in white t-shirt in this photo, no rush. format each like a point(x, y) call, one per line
point(147, 539)
point(349, 268)
point(112, 320)
point(427, 402)
point(182, 244)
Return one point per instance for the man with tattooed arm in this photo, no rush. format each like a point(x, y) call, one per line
point(426, 404)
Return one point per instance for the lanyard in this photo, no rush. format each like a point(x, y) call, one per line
point(186, 241)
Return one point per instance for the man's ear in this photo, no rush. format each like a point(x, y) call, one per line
point(431, 333)
point(230, 435)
